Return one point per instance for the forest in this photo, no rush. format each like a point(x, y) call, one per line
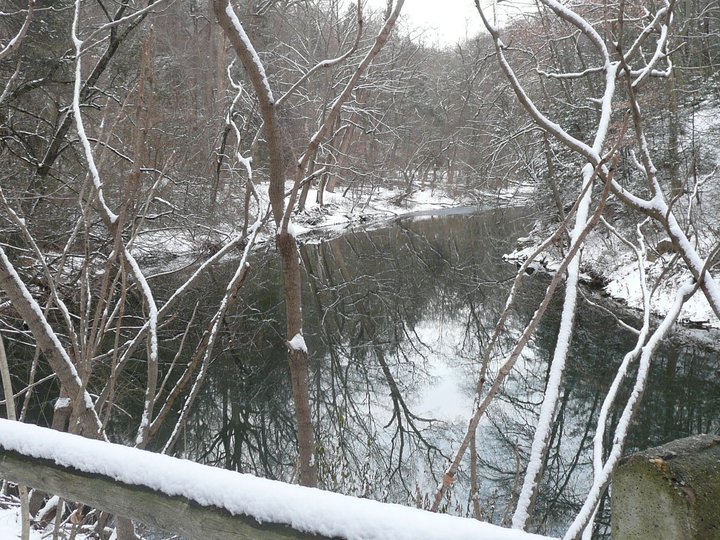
point(212, 245)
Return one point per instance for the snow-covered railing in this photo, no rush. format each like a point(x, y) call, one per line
point(203, 502)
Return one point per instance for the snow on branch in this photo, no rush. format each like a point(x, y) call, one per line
point(637, 44)
point(109, 215)
point(15, 42)
point(152, 6)
point(49, 342)
point(657, 56)
point(230, 12)
point(557, 368)
point(602, 478)
point(573, 75)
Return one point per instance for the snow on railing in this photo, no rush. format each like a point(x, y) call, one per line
point(205, 502)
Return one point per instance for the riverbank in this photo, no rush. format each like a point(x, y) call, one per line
point(608, 265)
point(339, 212)
point(613, 269)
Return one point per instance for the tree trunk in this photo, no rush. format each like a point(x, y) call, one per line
point(676, 184)
point(286, 243)
point(298, 358)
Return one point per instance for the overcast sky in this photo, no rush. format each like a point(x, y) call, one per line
point(445, 21)
point(448, 21)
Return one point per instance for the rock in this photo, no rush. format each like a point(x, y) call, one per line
point(671, 492)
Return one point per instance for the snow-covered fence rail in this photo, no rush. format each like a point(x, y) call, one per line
point(207, 503)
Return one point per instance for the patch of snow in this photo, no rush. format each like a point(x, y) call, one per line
point(705, 120)
point(169, 241)
point(296, 230)
point(297, 343)
point(11, 525)
point(624, 284)
point(62, 403)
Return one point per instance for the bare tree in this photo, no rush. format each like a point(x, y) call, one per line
point(616, 64)
point(282, 212)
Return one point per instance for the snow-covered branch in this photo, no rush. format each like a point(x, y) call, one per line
point(15, 42)
point(647, 350)
point(51, 346)
point(325, 64)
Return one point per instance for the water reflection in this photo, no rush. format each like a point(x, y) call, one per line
point(395, 320)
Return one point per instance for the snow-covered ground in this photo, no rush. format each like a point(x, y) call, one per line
point(624, 285)
point(608, 261)
point(10, 524)
point(617, 269)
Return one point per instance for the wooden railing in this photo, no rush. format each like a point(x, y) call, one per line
point(154, 508)
point(206, 503)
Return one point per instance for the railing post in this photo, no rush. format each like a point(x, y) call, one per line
point(670, 492)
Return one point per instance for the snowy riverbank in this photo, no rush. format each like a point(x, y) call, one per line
point(607, 263)
point(339, 212)
point(614, 269)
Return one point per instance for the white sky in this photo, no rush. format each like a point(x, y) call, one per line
point(445, 22)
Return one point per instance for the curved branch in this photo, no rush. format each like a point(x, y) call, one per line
point(15, 42)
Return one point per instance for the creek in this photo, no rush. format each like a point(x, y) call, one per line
point(396, 320)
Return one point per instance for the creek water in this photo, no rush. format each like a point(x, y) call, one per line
point(396, 320)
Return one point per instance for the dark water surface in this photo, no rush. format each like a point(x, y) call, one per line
point(396, 320)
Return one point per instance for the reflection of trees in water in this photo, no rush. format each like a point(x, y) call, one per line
point(382, 311)
point(377, 310)
point(685, 398)
point(368, 293)
point(244, 419)
point(681, 399)
point(370, 299)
